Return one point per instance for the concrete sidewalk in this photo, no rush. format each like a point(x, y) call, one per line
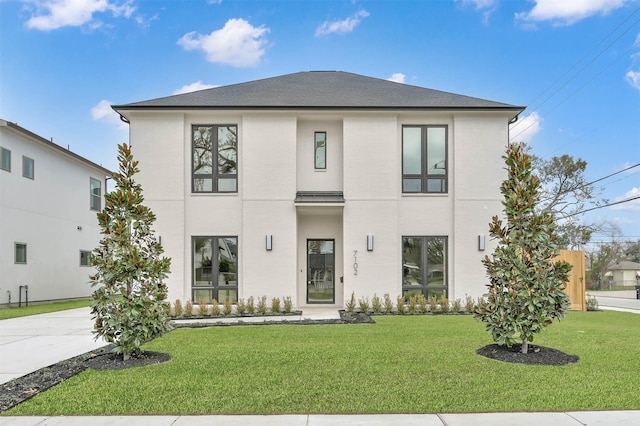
point(579, 418)
point(30, 343)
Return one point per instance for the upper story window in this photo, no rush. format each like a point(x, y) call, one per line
point(215, 158)
point(424, 159)
point(95, 194)
point(27, 167)
point(85, 258)
point(6, 159)
point(320, 150)
point(20, 253)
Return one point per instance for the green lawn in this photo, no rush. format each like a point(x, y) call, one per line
point(402, 364)
point(23, 311)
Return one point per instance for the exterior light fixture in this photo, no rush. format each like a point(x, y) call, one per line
point(481, 244)
point(269, 242)
point(369, 242)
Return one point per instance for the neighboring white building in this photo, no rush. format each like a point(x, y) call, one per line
point(317, 185)
point(49, 198)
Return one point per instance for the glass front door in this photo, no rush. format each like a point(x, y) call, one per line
point(320, 271)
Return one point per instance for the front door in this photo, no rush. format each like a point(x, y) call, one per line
point(320, 271)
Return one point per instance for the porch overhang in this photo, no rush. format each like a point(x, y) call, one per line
point(319, 198)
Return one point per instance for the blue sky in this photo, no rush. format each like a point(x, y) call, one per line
point(574, 63)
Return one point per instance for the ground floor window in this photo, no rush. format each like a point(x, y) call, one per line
point(424, 266)
point(215, 269)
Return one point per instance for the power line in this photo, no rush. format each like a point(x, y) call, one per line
point(605, 205)
point(608, 176)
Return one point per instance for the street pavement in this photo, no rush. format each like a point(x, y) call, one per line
point(33, 342)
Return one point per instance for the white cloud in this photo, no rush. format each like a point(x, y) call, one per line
point(487, 7)
point(238, 43)
point(102, 111)
point(633, 206)
point(341, 27)
point(566, 12)
point(633, 78)
point(53, 14)
point(525, 128)
point(398, 77)
point(193, 87)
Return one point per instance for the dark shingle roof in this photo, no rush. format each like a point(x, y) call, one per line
point(319, 89)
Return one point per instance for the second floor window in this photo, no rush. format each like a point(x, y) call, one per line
point(6, 159)
point(27, 167)
point(424, 159)
point(214, 158)
point(95, 195)
point(320, 148)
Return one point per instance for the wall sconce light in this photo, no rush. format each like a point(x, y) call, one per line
point(159, 239)
point(79, 228)
point(481, 243)
point(269, 242)
point(369, 242)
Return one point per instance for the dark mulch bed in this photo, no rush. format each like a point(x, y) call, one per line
point(537, 355)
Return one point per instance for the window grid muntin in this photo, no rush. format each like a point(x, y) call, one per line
point(215, 176)
point(425, 179)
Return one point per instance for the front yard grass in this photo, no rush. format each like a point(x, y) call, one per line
point(402, 364)
point(23, 311)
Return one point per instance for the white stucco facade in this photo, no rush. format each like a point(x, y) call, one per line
point(48, 215)
point(275, 161)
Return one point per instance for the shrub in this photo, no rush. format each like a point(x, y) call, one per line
point(413, 303)
point(188, 308)
point(203, 309)
point(376, 304)
point(350, 306)
point(388, 303)
point(444, 304)
point(456, 307)
point(177, 308)
point(275, 305)
point(422, 303)
point(433, 304)
point(215, 308)
point(400, 305)
point(469, 305)
point(262, 305)
point(592, 304)
point(363, 302)
point(287, 305)
point(241, 308)
point(227, 307)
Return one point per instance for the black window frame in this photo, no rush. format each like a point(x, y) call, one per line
point(215, 175)
point(315, 150)
point(5, 153)
point(215, 286)
point(425, 288)
point(425, 176)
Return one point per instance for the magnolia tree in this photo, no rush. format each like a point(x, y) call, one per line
point(129, 304)
point(526, 282)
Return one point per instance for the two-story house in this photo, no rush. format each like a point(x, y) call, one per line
point(49, 197)
point(317, 185)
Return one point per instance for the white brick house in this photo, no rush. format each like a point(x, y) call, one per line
point(49, 198)
point(317, 185)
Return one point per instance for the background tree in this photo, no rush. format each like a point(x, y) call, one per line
point(129, 304)
point(565, 193)
point(525, 281)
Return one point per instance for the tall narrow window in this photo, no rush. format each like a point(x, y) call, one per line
point(215, 269)
point(21, 253)
point(6, 159)
point(424, 266)
point(95, 194)
point(424, 159)
point(85, 257)
point(215, 158)
point(27, 167)
point(320, 149)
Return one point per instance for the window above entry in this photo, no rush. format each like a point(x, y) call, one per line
point(214, 158)
point(424, 159)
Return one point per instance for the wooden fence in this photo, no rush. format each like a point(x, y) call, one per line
point(577, 285)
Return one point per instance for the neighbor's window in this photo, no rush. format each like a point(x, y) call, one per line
point(424, 266)
point(6, 159)
point(27, 167)
point(21, 253)
point(215, 158)
point(215, 269)
point(95, 194)
point(85, 257)
point(424, 159)
point(320, 149)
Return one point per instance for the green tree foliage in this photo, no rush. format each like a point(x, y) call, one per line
point(526, 282)
point(129, 304)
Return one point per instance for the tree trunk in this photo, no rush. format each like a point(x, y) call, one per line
point(525, 346)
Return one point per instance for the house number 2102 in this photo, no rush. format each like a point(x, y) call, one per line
point(355, 262)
